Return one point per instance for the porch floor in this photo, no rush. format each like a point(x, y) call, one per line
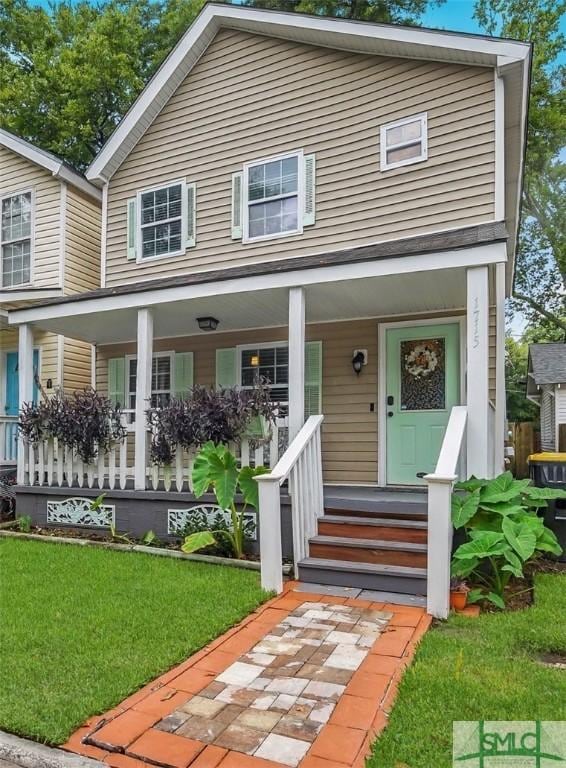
point(308, 680)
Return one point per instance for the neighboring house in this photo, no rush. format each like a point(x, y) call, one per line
point(332, 204)
point(49, 248)
point(546, 386)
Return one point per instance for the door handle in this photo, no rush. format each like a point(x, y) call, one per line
point(390, 414)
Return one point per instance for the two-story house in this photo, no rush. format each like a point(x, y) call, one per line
point(49, 248)
point(333, 205)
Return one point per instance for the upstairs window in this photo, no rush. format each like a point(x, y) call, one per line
point(273, 197)
point(15, 240)
point(404, 142)
point(161, 221)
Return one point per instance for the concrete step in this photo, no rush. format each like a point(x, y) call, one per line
point(376, 528)
point(344, 573)
point(369, 550)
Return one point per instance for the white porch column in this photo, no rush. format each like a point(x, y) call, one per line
point(143, 393)
point(296, 360)
point(500, 400)
point(477, 374)
point(25, 385)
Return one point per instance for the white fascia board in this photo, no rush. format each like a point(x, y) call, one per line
point(464, 257)
point(56, 167)
point(380, 39)
point(46, 293)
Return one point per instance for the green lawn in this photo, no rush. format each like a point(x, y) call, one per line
point(81, 629)
point(471, 669)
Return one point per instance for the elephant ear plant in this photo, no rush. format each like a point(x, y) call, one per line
point(503, 531)
point(217, 468)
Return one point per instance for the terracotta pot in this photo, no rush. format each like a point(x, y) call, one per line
point(458, 599)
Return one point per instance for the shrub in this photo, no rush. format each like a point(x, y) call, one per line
point(503, 531)
point(207, 415)
point(84, 421)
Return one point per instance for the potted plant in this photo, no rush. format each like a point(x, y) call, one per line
point(458, 594)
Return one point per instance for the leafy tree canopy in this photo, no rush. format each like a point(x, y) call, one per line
point(540, 283)
point(387, 11)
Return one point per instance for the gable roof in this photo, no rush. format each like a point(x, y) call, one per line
point(356, 36)
point(50, 162)
point(547, 363)
point(510, 58)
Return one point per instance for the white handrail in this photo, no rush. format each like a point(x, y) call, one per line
point(440, 484)
point(301, 464)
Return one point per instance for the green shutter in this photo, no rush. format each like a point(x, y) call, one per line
point(237, 204)
point(132, 227)
point(313, 378)
point(309, 211)
point(191, 215)
point(183, 373)
point(117, 380)
point(226, 368)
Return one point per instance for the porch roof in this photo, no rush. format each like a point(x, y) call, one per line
point(338, 287)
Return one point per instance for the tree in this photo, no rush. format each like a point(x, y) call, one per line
point(516, 357)
point(387, 11)
point(68, 74)
point(540, 281)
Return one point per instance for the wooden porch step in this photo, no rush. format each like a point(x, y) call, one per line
point(369, 551)
point(376, 528)
point(387, 511)
point(344, 573)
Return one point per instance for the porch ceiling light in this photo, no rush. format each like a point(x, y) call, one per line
point(357, 362)
point(207, 323)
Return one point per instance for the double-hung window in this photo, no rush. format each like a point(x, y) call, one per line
point(269, 363)
point(15, 239)
point(273, 197)
point(161, 381)
point(404, 142)
point(161, 216)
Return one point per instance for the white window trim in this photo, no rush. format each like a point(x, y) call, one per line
point(299, 154)
point(131, 425)
point(29, 283)
point(252, 345)
point(384, 165)
point(140, 259)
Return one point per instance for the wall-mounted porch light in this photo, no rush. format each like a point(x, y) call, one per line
point(207, 323)
point(359, 360)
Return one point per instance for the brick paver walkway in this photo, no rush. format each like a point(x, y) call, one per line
point(307, 680)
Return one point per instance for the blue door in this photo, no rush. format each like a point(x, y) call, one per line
point(12, 382)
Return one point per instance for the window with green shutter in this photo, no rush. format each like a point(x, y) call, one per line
point(117, 380)
point(313, 378)
point(184, 368)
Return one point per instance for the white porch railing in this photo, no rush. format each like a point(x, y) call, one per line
point(8, 440)
point(54, 465)
point(301, 465)
point(440, 530)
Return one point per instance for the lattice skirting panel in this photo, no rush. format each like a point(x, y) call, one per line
point(80, 511)
point(205, 514)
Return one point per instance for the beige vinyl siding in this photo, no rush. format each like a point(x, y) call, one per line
point(82, 242)
point(48, 355)
point(82, 273)
point(251, 97)
point(18, 174)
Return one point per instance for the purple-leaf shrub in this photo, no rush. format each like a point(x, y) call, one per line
point(85, 421)
point(221, 416)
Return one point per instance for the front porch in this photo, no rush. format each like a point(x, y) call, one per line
point(336, 423)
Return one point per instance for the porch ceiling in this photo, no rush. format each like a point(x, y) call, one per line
point(340, 300)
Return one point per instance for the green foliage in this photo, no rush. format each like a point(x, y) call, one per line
point(216, 467)
point(149, 539)
point(516, 358)
point(540, 280)
point(503, 529)
point(387, 11)
point(24, 523)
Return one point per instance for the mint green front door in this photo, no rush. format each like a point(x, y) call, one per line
point(423, 383)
